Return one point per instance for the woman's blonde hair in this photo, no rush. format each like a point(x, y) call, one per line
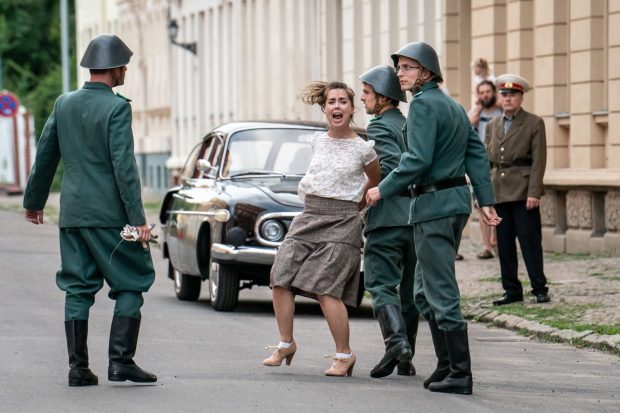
point(316, 93)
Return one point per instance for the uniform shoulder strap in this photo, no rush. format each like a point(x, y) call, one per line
point(123, 97)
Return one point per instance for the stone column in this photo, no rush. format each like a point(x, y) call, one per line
point(520, 41)
point(587, 140)
point(333, 39)
point(488, 32)
point(613, 86)
point(457, 32)
point(550, 79)
point(612, 198)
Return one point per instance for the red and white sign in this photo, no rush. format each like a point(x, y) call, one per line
point(9, 104)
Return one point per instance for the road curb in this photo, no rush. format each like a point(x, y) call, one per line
point(590, 339)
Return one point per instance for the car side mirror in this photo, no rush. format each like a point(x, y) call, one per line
point(205, 167)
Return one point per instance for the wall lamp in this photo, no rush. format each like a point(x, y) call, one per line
point(173, 31)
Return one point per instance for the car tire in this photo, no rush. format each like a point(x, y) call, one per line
point(186, 287)
point(223, 287)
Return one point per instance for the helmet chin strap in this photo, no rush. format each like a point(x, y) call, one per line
point(418, 82)
point(378, 108)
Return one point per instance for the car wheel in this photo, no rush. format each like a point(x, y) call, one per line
point(223, 287)
point(186, 287)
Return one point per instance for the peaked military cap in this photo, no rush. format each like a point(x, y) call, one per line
point(384, 81)
point(423, 53)
point(106, 51)
point(512, 82)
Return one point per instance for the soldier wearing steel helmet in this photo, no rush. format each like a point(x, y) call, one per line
point(441, 148)
point(90, 131)
point(389, 253)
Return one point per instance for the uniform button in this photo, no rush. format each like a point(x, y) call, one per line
point(502, 174)
point(501, 149)
point(502, 157)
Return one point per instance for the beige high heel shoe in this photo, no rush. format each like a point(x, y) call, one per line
point(280, 354)
point(341, 367)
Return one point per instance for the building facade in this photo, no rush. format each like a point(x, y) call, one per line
point(142, 25)
point(253, 56)
point(569, 50)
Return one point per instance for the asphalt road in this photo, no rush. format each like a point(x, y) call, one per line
point(210, 361)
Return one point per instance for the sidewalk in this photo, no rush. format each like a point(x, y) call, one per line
point(585, 292)
point(585, 298)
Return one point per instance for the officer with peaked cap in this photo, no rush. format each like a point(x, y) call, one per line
point(389, 253)
point(90, 130)
point(441, 148)
point(518, 151)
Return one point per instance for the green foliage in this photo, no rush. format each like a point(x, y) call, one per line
point(151, 207)
point(30, 41)
point(560, 316)
point(43, 96)
point(564, 256)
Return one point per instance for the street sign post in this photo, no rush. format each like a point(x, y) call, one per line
point(9, 104)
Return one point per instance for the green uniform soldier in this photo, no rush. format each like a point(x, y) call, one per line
point(389, 252)
point(90, 130)
point(441, 148)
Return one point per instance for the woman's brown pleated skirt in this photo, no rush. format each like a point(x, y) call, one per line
point(321, 252)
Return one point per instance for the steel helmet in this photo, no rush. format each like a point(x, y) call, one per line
point(105, 52)
point(423, 53)
point(384, 81)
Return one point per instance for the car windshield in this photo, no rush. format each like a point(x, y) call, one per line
point(268, 151)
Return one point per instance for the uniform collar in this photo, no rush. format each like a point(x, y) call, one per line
point(514, 115)
point(381, 115)
point(425, 87)
point(96, 86)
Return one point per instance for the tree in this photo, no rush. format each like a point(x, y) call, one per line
point(30, 52)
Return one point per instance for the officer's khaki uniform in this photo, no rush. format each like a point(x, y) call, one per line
point(519, 158)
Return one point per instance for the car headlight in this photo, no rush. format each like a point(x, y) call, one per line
point(272, 230)
point(221, 215)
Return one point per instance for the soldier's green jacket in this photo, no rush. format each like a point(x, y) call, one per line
point(441, 145)
point(387, 132)
point(91, 130)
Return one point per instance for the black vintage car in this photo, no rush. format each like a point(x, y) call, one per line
point(237, 199)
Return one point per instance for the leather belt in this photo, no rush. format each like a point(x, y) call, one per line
point(437, 186)
point(516, 162)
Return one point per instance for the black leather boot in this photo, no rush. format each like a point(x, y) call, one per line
point(123, 342)
point(460, 379)
point(412, 319)
point(441, 351)
point(396, 346)
point(79, 373)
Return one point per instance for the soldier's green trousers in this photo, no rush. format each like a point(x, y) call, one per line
point(436, 291)
point(87, 260)
point(389, 267)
